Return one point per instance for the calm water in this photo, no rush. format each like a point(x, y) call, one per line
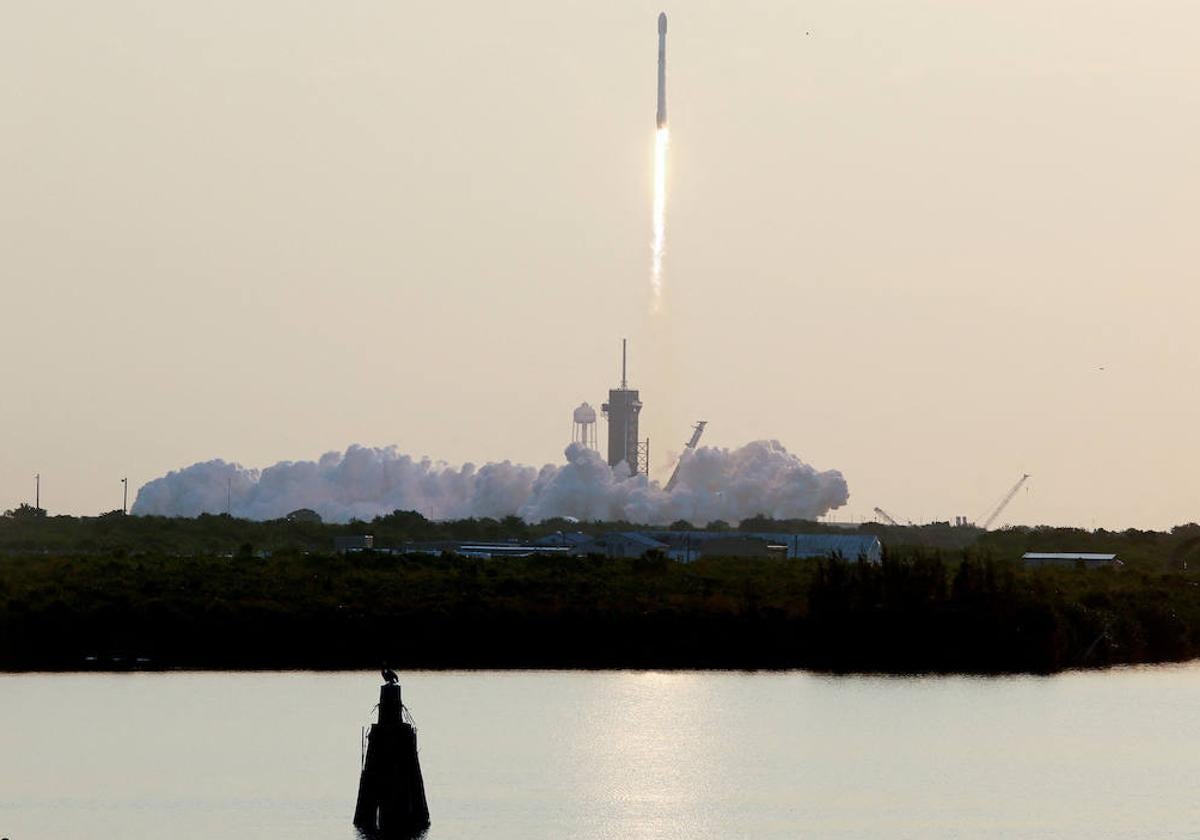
point(609, 755)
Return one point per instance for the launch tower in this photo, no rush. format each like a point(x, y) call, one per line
point(622, 410)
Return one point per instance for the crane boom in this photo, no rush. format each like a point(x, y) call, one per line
point(697, 430)
point(987, 523)
point(886, 517)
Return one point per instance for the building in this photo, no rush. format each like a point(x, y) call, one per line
point(624, 544)
point(562, 539)
point(738, 545)
point(1071, 560)
point(488, 551)
point(686, 546)
point(356, 542)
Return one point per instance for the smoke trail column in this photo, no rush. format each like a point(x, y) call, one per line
point(661, 136)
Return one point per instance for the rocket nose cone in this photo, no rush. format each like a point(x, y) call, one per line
point(662, 23)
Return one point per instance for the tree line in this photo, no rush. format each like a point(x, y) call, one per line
point(920, 610)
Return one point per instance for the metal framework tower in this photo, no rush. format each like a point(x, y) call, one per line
point(987, 523)
point(886, 517)
point(622, 410)
point(697, 430)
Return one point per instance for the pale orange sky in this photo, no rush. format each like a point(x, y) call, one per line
point(931, 244)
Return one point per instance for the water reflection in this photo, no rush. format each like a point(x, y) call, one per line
point(608, 755)
point(647, 750)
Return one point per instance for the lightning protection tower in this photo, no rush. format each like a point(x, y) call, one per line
point(583, 426)
point(622, 410)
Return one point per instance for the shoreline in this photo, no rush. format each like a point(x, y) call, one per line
point(766, 671)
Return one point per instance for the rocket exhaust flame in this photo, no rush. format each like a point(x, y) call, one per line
point(661, 141)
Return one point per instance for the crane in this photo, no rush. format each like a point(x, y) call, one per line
point(697, 430)
point(887, 517)
point(1008, 497)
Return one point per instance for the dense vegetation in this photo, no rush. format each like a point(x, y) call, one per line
point(218, 592)
point(28, 530)
point(980, 615)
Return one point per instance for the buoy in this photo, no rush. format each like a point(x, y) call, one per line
point(391, 792)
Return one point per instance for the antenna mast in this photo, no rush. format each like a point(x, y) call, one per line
point(624, 386)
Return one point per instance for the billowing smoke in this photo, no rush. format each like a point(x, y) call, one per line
point(360, 483)
point(730, 484)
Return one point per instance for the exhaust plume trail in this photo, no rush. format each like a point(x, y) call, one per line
point(661, 141)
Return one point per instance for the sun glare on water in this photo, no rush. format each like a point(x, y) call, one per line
point(661, 139)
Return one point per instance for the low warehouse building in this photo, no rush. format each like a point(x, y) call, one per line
point(1071, 560)
point(629, 544)
point(738, 546)
point(687, 546)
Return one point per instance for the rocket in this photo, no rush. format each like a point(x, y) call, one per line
point(660, 115)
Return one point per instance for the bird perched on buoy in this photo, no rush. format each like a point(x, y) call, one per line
point(389, 676)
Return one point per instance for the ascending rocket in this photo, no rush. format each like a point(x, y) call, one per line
point(660, 116)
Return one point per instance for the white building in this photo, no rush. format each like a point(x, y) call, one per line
point(1071, 560)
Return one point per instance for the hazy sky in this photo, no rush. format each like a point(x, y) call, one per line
point(931, 244)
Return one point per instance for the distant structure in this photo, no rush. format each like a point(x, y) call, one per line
point(347, 543)
point(735, 545)
point(887, 518)
point(688, 546)
point(682, 546)
point(987, 523)
point(697, 430)
point(583, 427)
point(391, 793)
point(622, 410)
point(613, 545)
point(1071, 560)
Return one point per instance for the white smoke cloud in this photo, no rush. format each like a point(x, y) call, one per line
point(761, 477)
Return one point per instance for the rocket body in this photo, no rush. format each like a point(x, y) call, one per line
point(660, 115)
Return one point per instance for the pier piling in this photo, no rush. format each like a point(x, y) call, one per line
point(391, 792)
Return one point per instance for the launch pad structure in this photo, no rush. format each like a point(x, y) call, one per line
point(622, 410)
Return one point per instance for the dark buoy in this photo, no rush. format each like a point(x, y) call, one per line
point(391, 792)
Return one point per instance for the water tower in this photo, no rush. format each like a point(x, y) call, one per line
point(583, 427)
